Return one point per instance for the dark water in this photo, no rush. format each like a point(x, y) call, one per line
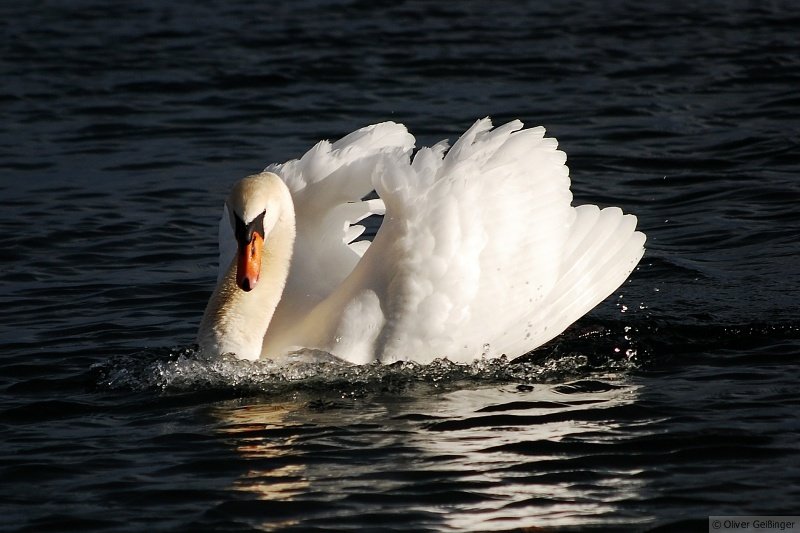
point(124, 123)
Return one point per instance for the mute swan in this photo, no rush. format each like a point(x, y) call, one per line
point(479, 253)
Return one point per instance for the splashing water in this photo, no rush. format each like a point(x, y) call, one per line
point(577, 353)
point(184, 369)
point(609, 348)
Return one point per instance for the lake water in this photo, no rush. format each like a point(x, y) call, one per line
point(125, 123)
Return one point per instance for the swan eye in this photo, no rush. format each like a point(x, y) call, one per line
point(245, 233)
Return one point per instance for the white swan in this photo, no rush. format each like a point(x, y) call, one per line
point(479, 252)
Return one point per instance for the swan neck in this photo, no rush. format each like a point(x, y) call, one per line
point(236, 321)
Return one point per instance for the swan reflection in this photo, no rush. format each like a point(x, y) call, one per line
point(487, 458)
point(250, 427)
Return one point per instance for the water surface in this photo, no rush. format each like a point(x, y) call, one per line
point(126, 123)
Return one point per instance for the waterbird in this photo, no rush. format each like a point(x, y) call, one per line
point(480, 252)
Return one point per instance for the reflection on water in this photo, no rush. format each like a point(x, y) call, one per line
point(246, 424)
point(125, 124)
point(250, 428)
point(471, 459)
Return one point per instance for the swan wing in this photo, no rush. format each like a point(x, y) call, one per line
point(480, 252)
point(479, 236)
point(490, 256)
point(328, 185)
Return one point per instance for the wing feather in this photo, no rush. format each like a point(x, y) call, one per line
point(479, 252)
point(328, 185)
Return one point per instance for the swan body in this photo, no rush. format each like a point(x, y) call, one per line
point(480, 252)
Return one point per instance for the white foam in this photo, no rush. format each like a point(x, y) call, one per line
point(183, 370)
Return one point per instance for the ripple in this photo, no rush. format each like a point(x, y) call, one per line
point(126, 124)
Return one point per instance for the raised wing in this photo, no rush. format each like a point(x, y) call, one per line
point(480, 252)
point(328, 186)
point(485, 249)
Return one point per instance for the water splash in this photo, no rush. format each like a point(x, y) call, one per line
point(183, 370)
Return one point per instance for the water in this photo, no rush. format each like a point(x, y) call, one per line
point(125, 123)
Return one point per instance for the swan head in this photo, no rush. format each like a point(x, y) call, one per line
point(254, 204)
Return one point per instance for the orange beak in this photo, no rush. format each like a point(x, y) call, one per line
point(248, 264)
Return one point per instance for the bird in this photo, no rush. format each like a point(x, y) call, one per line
point(479, 254)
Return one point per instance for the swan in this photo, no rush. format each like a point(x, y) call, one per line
point(480, 252)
